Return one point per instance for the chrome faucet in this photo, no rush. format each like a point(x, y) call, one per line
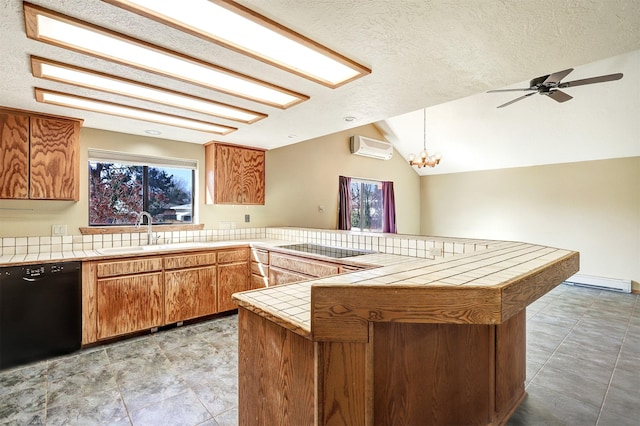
point(141, 215)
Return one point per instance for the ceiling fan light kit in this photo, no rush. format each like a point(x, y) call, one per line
point(549, 85)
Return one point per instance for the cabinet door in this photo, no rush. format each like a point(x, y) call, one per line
point(253, 177)
point(234, 175)
point(129, 303)
point(228, 170)
point(189, 293)
point(54, 161)
point(232, 278)
point(14, 163)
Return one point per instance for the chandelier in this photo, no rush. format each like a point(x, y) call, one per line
point(425, 159)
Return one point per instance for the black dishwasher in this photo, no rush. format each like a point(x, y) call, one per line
point(40, 312)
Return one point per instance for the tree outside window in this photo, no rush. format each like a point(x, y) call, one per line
point(118, 192)
point(366, 205)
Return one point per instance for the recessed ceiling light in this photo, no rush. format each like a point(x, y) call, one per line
point(72, 101)
point(243, 30)
point(153, 132)
point(64, 73)
point(69, 33)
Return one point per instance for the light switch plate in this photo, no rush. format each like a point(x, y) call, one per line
point(58, 230)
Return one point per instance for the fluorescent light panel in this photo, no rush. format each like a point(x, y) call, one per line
point(73, 101)
point(64, 73)
point(241, 29)
point(60, 30)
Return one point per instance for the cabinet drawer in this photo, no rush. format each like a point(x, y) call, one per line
point(258, 281)
point(230, 256)
point(128, 267)
point(259, 269)
point(189, 260)
point(351, 268)
point(303, 265)
point(261, 256)
point(279, 276)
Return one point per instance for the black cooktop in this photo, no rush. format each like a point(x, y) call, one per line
point(335, 252)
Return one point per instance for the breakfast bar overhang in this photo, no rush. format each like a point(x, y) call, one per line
point(398, 347)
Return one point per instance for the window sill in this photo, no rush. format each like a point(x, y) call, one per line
point(96, 230)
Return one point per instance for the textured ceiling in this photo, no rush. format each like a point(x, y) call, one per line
point(422, 53)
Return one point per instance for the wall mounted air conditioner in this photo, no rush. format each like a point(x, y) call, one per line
point(361, 145)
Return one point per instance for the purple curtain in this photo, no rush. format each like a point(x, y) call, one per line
point(388, 208)
point(344, 203)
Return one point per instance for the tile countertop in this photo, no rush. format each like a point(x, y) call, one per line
point(118, 252)
point(500, 266)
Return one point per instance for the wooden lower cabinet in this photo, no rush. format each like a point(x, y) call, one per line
point(189, 293)
point(233, 276)
point(128, 303)
point(403, 374)
point(127, 295)
point(259, 268)
point(276, 374)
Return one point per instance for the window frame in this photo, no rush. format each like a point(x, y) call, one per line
point(146, 162)
point(363, 182)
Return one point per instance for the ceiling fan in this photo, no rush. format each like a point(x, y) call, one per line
point(549, 84)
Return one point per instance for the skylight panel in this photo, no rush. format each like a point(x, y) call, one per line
point(88, 104)
point(59, 30)
point(241, 29)
point(64, 73)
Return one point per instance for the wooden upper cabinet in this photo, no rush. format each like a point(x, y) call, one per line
point(40, 157)
point(253, 177)
point(54, 170)
point(235, 174)
point(14, 166)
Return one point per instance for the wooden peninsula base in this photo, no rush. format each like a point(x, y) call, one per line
point(431, 343)
point(406, 374)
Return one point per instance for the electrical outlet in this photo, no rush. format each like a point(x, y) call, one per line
point(436, 251)
point(247, 218)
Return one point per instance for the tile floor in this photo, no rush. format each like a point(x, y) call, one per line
point(583, 368)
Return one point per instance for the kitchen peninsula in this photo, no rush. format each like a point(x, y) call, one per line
point(419, 330)
point(438, 340)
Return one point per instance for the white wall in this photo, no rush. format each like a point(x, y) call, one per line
point(592, 207)
point(304, 176)
point(299, 178)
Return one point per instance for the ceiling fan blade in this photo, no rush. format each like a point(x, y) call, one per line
point(559, 96)
point(556, 77)
point(509, 90)
point(592, 80)
point(516, 100)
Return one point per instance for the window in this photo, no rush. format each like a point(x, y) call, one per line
point(366, 205)
point(119, 189)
